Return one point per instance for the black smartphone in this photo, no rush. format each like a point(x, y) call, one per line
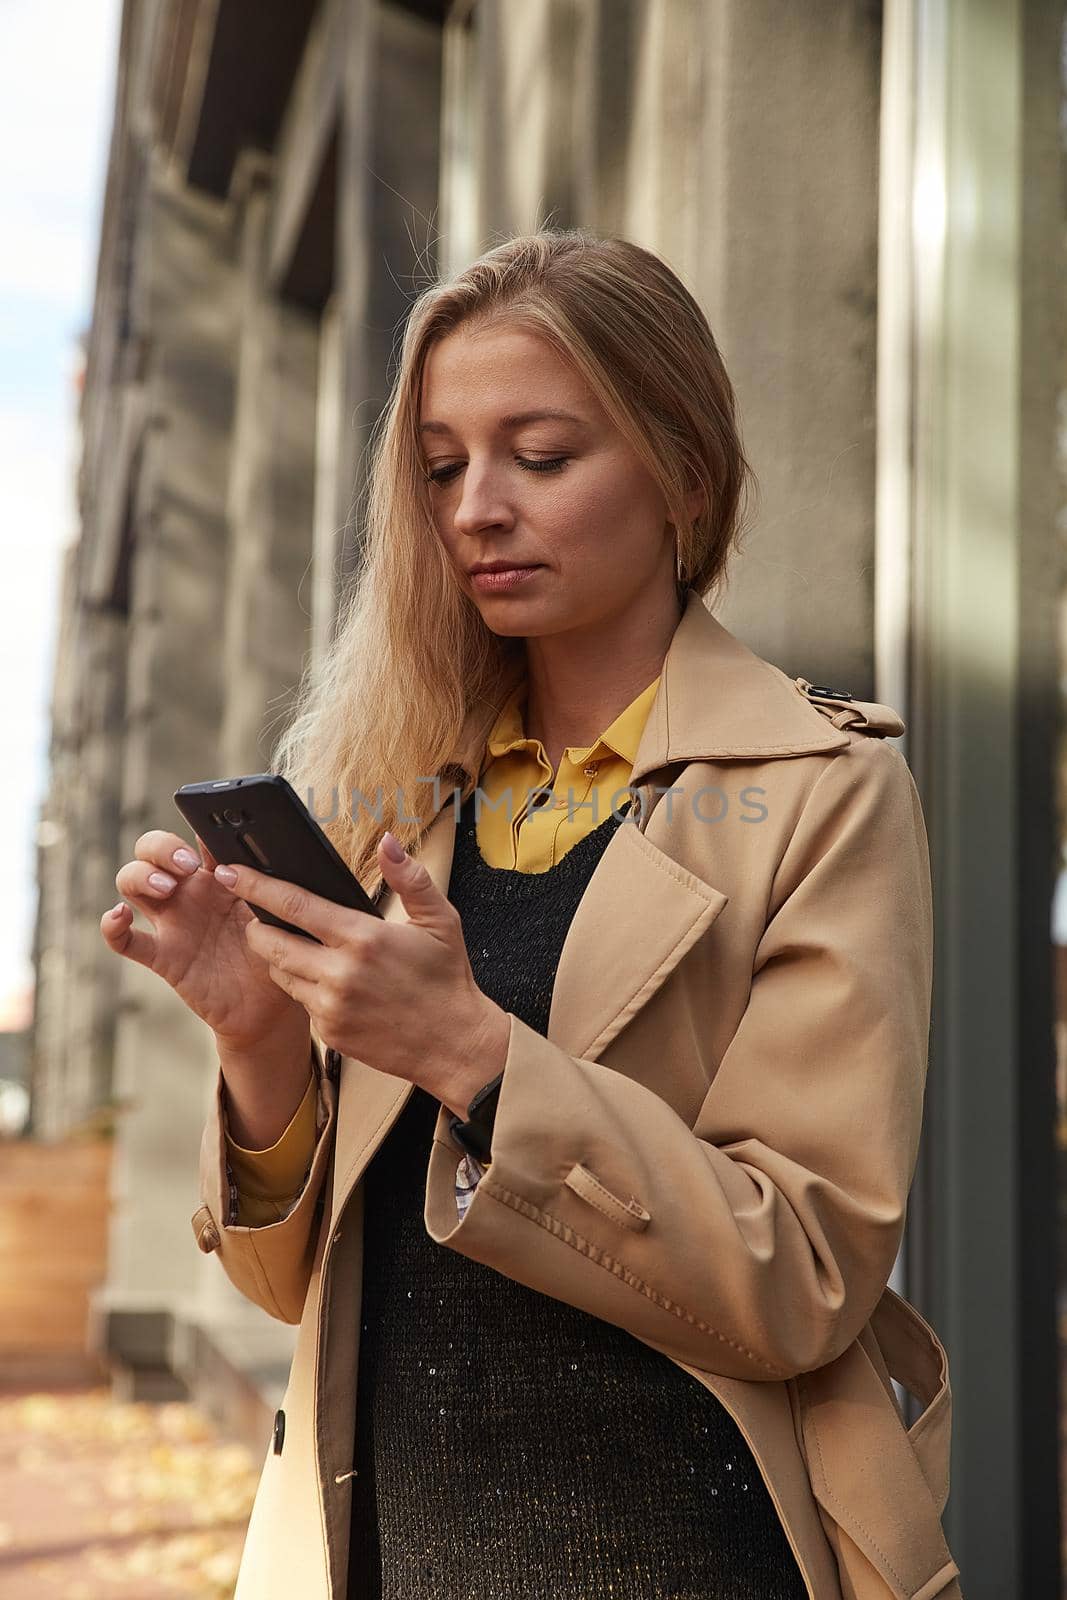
point(260, 821)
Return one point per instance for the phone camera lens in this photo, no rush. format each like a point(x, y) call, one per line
point(234, 817)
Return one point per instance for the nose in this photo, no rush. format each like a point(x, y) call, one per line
point(482, 502)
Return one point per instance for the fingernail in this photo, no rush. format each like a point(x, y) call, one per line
point(392, 847)
point(226, 875)
point(162, 880)
point(186, 859)
point(117, 910)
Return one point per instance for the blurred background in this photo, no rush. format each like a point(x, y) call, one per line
point(868, 200)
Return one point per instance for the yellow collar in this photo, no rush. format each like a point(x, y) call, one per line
point(622, 737)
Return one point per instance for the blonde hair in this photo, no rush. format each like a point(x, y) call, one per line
point(412, 663)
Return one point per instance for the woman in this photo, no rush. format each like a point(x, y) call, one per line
point(584, 1170)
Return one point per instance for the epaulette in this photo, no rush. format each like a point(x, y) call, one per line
point(845, 711)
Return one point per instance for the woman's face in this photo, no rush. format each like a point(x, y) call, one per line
point(563, 494)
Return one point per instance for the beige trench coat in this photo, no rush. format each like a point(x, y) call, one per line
point(712, 1148)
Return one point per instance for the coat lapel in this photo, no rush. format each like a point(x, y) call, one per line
point(369, 1102)
point(642, 908)
point(607, 969)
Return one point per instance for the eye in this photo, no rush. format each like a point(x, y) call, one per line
point(442, 474)
point(446, 474)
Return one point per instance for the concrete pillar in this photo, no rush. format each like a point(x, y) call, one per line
point(387, 200)
point(187, 306)
point(517, 120)
point(94, 814)
point(526, 61)
point(637, 83)
point(271, 499)
point(78, 978)
point(786, 269)
point(55, 864)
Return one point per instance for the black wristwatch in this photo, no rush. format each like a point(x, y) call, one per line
point(475, 1136)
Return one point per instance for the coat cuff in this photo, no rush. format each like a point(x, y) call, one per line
point(269, 1259)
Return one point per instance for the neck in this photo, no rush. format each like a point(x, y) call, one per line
point(579, 681)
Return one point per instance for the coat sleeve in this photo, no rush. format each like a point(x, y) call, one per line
point(756, 1243)
point(271, 1263)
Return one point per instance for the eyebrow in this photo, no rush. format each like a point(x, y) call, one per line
point(514, 419)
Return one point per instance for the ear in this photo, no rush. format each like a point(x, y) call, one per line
point(695, 502)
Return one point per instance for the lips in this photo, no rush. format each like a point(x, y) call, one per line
point(504, 580)
point(503, 566)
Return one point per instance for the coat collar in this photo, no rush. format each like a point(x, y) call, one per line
point(716, 700)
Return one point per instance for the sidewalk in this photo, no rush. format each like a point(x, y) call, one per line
point(105, 1500)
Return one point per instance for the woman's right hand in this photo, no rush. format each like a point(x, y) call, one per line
point(197, 942)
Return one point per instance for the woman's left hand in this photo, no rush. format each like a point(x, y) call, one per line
point(399, 996)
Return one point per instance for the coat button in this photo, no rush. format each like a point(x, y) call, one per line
point(831, 694)
point(279, 1432)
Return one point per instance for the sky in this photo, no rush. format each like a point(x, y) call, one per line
point(57, 73)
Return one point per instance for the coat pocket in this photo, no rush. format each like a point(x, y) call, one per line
point(881, 1487)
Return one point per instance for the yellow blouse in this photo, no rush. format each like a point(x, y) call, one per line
point(518, 827)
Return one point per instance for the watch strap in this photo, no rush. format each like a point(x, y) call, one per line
point(474, 1134)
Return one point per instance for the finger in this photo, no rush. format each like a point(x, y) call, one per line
point(299, 989)
point(288, 952)
point(145, 884)
point(286, 900)
point(168, 851)
point(121, 936)
point(205, 854)
point(421, 898)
